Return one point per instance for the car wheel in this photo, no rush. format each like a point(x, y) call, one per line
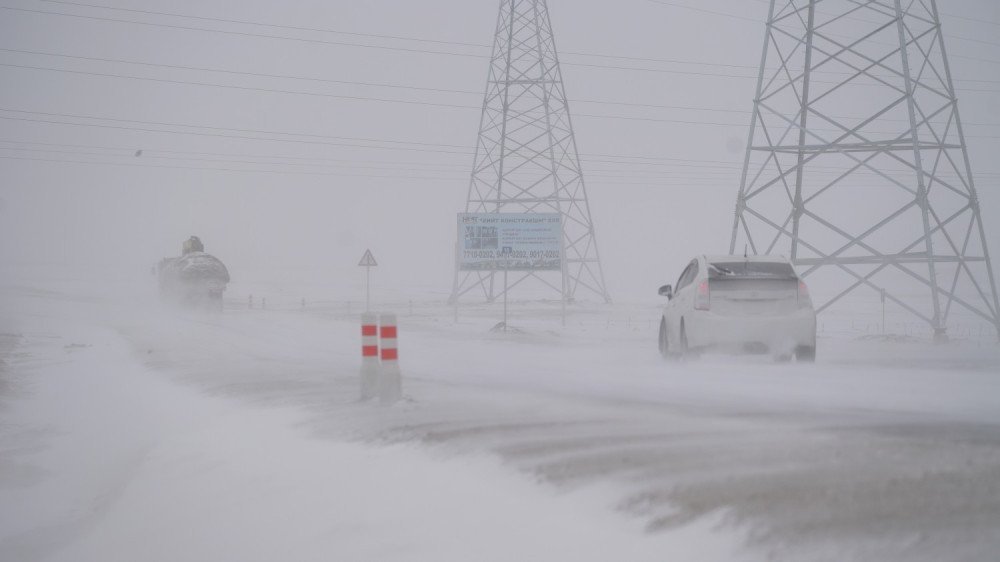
point(686, 351)
point(664, 340)
point(805, 354)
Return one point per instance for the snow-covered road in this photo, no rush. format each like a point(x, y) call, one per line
point(131, 433)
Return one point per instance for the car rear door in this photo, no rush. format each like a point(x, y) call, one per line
point(683, 299)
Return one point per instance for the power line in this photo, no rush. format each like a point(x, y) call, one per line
point(636, 69)
point(213, 128)
point(238, 33)
point(335, 96)
point(368, 84)
point(235, 87)
point(364, 45)
point(382, 100)
point(335, 43)
point(704, 11)
point(416, 146)
point(423, 147)
point(839, 16)
point(254, 171)
point(383, 36)
point(468, 150)
point(308, 173)
point(728, 15)
point(303, 39)
point(977, 20)
point(235, 72)
point(706, 168)
point(272, 25)
point(649, 184)
point(422, 103)
point(146, 155)
point(150, 152)
point(423, 39)
point(256, 74)
point(604, 174)
point(710, 165)
point(220, 135)
point(339, 96)
point(128, 152)
point(376, 35)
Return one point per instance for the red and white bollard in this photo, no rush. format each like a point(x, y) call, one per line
point(390, 378)
point(369, 356)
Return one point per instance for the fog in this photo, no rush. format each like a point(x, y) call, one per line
point(398, 199)
point(292, 137)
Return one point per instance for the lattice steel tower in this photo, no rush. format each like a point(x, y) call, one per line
point(857, 166)
point(526, 158)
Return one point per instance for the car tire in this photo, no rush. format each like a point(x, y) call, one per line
point(686, 352)
point(805, 354)
point(664, 339)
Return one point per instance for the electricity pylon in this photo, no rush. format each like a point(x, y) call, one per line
point(526, 158)
point(857, 165)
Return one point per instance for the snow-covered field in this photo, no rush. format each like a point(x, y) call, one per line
point(130, 432)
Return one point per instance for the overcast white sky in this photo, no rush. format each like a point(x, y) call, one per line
point(90, 200)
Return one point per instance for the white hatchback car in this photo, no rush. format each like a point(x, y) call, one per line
point(753, 304)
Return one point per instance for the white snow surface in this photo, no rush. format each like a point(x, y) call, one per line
point(223, 482)
point(131, 432)
point(107, 460)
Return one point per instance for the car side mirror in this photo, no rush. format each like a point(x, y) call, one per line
point(667, 291)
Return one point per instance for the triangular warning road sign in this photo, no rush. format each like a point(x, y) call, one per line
point(368, 260)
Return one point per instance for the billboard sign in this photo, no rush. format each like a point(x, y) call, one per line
point(509, 241)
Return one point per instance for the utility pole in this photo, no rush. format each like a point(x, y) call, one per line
point(526, 157)
point(857, 165)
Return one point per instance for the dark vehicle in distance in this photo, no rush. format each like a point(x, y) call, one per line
point(193, 280)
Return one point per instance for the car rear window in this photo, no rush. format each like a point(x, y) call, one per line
point(750, 269)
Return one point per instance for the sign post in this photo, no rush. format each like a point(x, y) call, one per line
point(505, 287)
point(368, 262)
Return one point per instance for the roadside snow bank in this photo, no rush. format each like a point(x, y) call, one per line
point(251, 487)
point(103, 459)
point(79, 415)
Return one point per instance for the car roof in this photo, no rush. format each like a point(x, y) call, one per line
point(755, 259)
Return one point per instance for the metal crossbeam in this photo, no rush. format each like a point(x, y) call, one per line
point(902, 214)
point(526, 157)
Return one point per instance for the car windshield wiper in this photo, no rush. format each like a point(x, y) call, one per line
point(721, 270)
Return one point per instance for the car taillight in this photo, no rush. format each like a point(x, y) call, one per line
point(703, 298)
point(803, 293)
